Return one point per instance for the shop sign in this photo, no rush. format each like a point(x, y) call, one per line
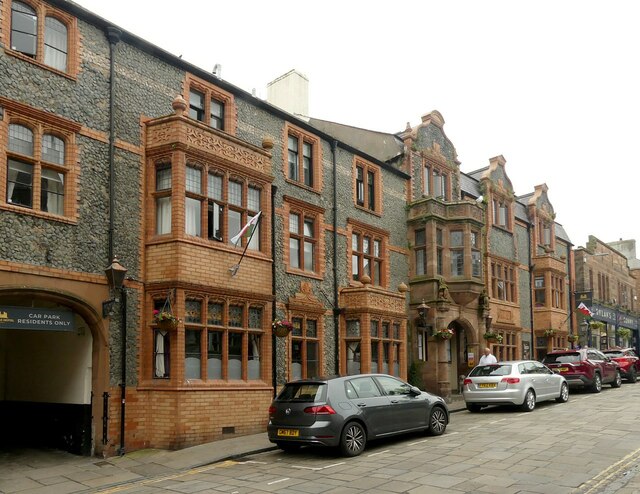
point(604, 314)
point(35, 318)
point(627, 321)
point(584, 297)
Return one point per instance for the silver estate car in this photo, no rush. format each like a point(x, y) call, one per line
point(521, 382)
point(348, 411)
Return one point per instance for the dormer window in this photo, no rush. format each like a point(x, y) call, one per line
point(436, 181)
point(501, 213)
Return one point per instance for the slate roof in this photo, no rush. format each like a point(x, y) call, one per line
point(381, 145)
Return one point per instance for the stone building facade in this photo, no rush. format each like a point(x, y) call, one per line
point(607, 283)
point(382, 255)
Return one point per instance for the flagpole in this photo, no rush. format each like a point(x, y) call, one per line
point(235, 267)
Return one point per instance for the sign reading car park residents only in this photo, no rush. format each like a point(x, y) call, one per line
point(35, 318)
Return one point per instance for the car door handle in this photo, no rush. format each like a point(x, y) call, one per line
point(362, 405)
point(395, 401)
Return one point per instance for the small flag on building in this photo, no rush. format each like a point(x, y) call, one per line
point(585, 310)
point(247, 229)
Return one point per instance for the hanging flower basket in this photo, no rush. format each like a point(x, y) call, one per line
point(492, 337)
point(572, 338)
point(549, 332)
point(596, 325)
point(445, 334)
point(282, 327)
point(624, 333)
point(165, 320)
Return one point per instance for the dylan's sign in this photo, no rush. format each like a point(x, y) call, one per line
point(36, 318)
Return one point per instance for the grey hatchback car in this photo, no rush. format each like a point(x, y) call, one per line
point(348, 411)
point(521, 382)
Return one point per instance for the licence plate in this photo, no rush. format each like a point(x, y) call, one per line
point(562, 369)
point(288, 432)
point(487, 385)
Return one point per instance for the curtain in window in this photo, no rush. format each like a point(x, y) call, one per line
point(253, 371)
point(235, 356)
point(55, 44)
point(161, 363)
point(163, 215)
point(52, 192)
point(353, 357)
point(192, 223)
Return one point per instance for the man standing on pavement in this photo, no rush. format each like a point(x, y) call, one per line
point(487, 358)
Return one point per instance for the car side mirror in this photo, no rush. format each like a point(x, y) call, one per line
point(415, 390)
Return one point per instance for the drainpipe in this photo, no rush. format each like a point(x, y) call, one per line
point(113, 35)
point(571, 290)
point(123, 354)
point(274, 377)
point(533, 343)
point(336, 304)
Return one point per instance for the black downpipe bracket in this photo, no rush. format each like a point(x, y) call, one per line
point(336, 304)
point(113, 35)
point(274, 377)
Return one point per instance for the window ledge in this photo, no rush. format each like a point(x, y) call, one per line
point(303, 186)
point(39, 214)
point(33, 61)
point(367, 210)
point(306, 274)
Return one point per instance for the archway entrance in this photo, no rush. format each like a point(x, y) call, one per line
point(463, 353)
point(46, 374)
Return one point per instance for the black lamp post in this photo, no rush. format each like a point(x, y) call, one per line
point(587, 332)
point(115, 275)
point(423, 310)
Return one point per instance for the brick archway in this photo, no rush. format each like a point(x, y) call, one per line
point(85, 424)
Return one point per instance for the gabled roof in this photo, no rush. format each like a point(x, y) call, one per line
point(380, 145)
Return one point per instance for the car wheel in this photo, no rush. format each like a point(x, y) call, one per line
point(633, 375)
point(288, 446)
point(529, 402)
point(473, 408)
point(596, 387)
point(353, 439)
point(617, 382)
point(437, 421)
point(564, 394)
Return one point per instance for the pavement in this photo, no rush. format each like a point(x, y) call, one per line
point(31, 471)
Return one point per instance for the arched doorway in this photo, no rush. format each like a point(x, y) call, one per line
point(50, 356)
point(464, 352)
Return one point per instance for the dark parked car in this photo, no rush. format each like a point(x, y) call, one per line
point(585, 367)
point(348, 411)
point(627, 360)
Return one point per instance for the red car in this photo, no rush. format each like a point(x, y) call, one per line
point(627, 360)
point(586, 367)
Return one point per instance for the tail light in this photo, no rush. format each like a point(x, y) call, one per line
point(467, 381)
point(510, 380)
point(272, 410)
point(320, 410)
point(580, 368)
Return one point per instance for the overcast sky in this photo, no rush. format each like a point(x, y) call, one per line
point(553, 86)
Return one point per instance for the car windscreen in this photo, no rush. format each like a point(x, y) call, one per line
point(561, 358)
point(613, 353)
point(311, 392)
point(491, 370)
